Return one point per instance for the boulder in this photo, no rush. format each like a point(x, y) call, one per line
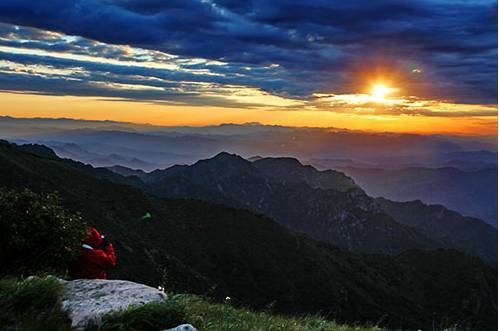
point(88, 300)
point(183, 327)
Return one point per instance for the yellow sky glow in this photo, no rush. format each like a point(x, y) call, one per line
point(30, 105)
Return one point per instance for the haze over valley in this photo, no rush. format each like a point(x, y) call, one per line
point(455, 171)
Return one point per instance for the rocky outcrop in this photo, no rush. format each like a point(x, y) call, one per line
point(88, 300)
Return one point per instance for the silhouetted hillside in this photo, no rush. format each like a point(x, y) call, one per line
point(127, 172)
point(327, 206)
point(467, 234)
point(290, 170)
point(472, 193)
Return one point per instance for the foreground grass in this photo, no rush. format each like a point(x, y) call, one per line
point(34, 304)
point(210, 316)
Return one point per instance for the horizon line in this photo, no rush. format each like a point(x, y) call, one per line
point(248, 124)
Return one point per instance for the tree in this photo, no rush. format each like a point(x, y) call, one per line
point(36, 233)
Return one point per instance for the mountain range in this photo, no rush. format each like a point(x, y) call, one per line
point(325, 205)
point(467, 160)
point(470, 192)
point(169, 145)
point(208, 248)
point(467, 234)
point(436, 169)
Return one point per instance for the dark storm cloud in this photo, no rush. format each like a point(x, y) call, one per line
point(318, 44)
point(225, 75)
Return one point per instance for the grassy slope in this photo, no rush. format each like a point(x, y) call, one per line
point(33, 304)
point(210, 317)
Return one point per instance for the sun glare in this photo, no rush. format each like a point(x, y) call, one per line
point(380, 91)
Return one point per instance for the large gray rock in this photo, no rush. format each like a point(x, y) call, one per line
point(88, 300)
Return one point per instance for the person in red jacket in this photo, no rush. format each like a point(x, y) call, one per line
point(97, 256)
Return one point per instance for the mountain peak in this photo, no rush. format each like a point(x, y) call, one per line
point(39, 150)
point(227, 157)
point(226, 163)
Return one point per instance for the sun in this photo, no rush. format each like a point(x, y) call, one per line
point(380, 91)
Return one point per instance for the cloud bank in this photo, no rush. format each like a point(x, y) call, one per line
point(264, 54)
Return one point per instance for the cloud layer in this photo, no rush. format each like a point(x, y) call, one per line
point(260, 53)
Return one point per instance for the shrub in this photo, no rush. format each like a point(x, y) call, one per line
point(36, 233)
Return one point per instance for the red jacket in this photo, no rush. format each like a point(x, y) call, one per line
point(93, 261)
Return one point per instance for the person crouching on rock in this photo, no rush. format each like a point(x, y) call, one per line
point(96, 257)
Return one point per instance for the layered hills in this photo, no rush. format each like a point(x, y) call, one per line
point(325, 205)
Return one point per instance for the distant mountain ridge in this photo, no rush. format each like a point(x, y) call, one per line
point(467, 234)
point(464, 160)
point(163, 146)
point(127, 172)
point(76, 152)
point(472, 193)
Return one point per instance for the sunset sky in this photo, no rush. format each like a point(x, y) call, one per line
point(426, 66)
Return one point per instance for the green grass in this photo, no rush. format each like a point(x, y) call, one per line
point(208, 316)
point(34, 304)
point(149, 317)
